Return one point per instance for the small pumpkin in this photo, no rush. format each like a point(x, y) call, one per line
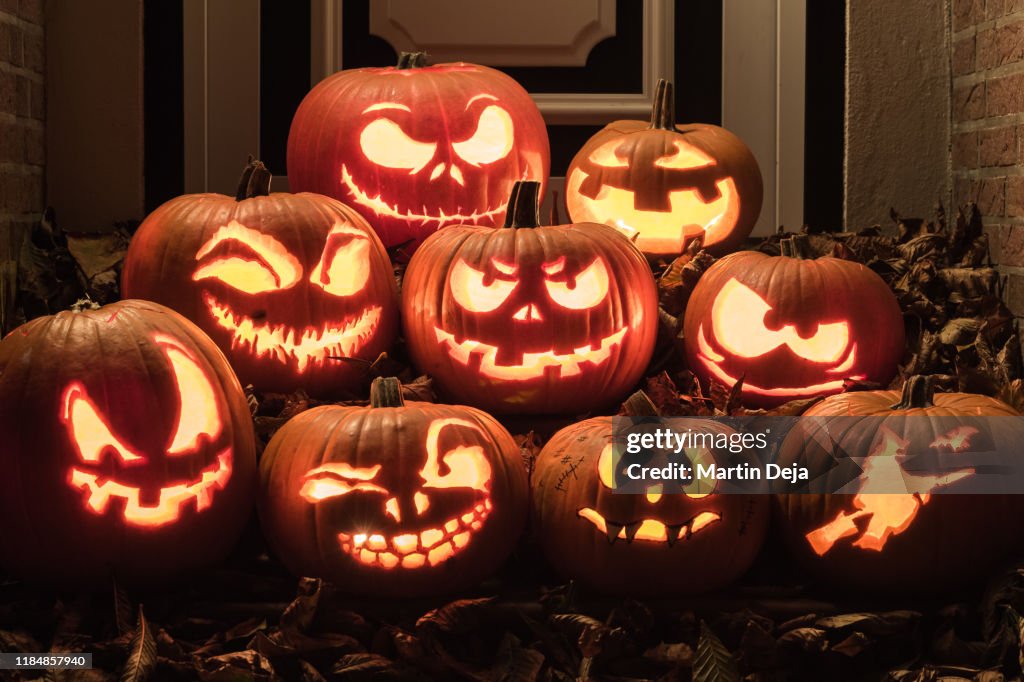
point(529, 318)
point(393, 499)
point(919, 541)
point(292, 287)
point(665, 184)
point(416, 147)
point(791, 326)
point(127, 445)
point(664, 542)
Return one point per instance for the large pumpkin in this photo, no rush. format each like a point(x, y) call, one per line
point(791, 326)
point(292, 287)
point(127, 447)
point(530, 319)
point(665, 184)
point(930, 539)
point(417, 147)
point(667, 541)
point(393, 499)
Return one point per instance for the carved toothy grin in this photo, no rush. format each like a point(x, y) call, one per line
point(649, 530)
point(172, 498)
point(383, 209)
point(533, 365)
point(429, 547)
point(289, 345)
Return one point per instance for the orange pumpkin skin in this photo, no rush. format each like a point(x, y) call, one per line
point(127, 445)
point(718, 535)
point(944, 542)
point(526, 319)
point(792, 327)
point(666, 184)
point(394, 499)
point(287, 285)
point(414, 147)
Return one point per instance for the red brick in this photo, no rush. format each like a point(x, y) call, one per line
point(965, 150)
point(8, 92)
point(31, 11)
point(35, 52)
point(1014, 293)
point(12, 143)
point(997, 238)
point(23, 105)
point(963, 190)
point(9, 7)
point(985, 49)
point(1005, 45)
point(37, 101)
point(998, 146)
point(16, 46)
point(35, 146)
point(992, 197)
point(1011, 6)
point(963, 56)
point(1005, 95)
point(969, 102)
point(994, 8)
point(1015, 196)
point(967, 13)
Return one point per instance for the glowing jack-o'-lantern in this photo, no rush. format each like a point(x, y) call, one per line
point(676, 537)
point(530, 319)
point(663, 184)
point(415, 147)
point(393, 499)
point(877, 539)
point(792, 327)
point(290, 286)
point(127, 445)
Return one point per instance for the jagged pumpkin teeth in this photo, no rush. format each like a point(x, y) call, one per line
point(460, 540)
point(487, 505)
point(344, 537)
point(467, 518)
point(367, 557)
point(360, 539)
point(440, 553)
point(405, 544)
point(346, 546)
point(479, 509)
point(388, 560)
point(431, 537)
point(377, 542)
point(413, 561)
point(476, 525)
point(451, 526)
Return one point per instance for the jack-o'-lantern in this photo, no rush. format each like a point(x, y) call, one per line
point(792, 327)
point(529, 319)
point(415, 147)
point(393, 499)
point(127, 445)
point(292, 287)
point(664, 184)
point(677, 537)
point(874, 539)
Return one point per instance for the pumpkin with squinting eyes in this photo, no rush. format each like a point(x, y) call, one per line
point(529, 318)
point(292, 287)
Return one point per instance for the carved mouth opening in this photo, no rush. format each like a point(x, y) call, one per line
point(649, 530)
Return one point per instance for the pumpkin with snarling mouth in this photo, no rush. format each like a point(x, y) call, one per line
point(416, 147)
point(673, 538)
point(295, 288)
point(393, 499)
point(530, 319)
point(130, 443)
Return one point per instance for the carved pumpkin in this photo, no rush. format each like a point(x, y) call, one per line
point(791, 326)
point(530, 319)
point(393, 499)
point(127, 445)
point(288, 285)
point(917, 541)
point(665, 184)
point(674, 539)
point(415, 147)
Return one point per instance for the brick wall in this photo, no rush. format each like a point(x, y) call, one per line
point(22, 146)
point(988, 126)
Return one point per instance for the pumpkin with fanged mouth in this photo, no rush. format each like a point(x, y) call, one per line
point(664, 184)
point(292, 287)
point(675, 538)
point(415, 147)
point(791, 326)
point(530, 319)
point(394, 499)
point(925, 540)
point(127, 445)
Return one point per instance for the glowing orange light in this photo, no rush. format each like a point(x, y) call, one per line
point(421, 502)
point(589, 288)
point(685, 157)
point(652, 530)
point(391, 508)
point(957, 440)
point(470, 292)
point(198, 414)
point(492, 140)
point(338, 478)
point(467, 465)
point(89, 432)
point(385, 143)
point(272, 267)
point(345, 270)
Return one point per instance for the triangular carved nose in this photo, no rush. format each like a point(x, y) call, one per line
point(528, 313)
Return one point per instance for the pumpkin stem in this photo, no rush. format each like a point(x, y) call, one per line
point(386, 392)
point(255, 180)
point(412, 60)
point(797, 246)
point(663, 113)
point(917, 393)
point(524, 205)
point(84, 304)
point(639, 405)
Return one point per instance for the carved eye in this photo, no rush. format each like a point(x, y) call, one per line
point(685, 157)
point(470, 292)
point(605, 155)
point(344, 267)
point(491, 141)
point(89, 432)
point(465, 466)
point(198, 414)
point(588, 289)
point(257, 263)
point(335, 479)
point(385, 143)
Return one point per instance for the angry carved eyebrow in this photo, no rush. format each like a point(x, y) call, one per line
point(266, 247)
point(481, 96)
point(386, 105)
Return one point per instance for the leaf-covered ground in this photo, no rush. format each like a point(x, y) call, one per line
point(250, 619)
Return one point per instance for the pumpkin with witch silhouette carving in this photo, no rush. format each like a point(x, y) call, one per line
point(296, 289)
point(127, 445)
point(394, 498)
